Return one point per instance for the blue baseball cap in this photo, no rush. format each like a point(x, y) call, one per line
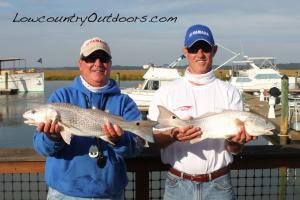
point(196, 33)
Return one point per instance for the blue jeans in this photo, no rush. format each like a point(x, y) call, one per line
point(177, 188)
point(56, 195)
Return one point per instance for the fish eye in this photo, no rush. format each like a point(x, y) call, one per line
point(173, 117)
point(33, 111)
point(138, 123)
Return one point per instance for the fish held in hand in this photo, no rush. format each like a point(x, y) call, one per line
point(224, 124)
point(85, 122)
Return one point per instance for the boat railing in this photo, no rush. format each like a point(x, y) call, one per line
point(294, 113)
point(260, 172)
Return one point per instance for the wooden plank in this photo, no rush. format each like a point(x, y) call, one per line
point(22, 167)
point(19, 154)
point(294, 135)
point(272, 156)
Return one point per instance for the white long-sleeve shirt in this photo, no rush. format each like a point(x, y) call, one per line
point(185, 99)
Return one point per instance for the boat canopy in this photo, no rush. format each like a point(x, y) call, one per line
point(159, 73)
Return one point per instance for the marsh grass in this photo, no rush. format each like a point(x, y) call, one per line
point(128, 75)
point(131, 75)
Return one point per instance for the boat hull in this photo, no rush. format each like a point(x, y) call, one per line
point(24, 82)
point(142, 98)
point(265, 84)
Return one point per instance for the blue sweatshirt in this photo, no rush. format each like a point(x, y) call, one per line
point(69, 169)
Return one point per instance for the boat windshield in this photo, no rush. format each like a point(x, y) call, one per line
point(243, 80)
point(267, 76)
point(152, 85)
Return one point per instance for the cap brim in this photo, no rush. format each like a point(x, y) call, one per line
point(202, 39)
point(91, 50)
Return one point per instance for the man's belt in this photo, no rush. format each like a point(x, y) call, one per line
point(201, 177)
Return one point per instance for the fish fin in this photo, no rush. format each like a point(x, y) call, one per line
point(261, 133)
point(105, 138)
point(146, 145)
point(168, 119)
point(66, 136)
point(65, 132)
point(269, 132)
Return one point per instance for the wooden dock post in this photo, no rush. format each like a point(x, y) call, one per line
point(6, 80)
point(118, 78)
point(284, 110)
point(283, 133)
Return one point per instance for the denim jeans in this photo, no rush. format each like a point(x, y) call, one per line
point(177, 188)
point(55, 195)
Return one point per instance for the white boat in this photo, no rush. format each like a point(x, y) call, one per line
point(247, 75)
point(15, 75)
point(154, 78)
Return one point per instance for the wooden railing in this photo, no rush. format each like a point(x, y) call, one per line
point(25, 160)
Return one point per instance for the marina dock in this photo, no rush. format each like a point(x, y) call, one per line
point(262, 108)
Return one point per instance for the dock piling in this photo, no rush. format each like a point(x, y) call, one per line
point(6, 80)
point(283, 133)
point(118, 78)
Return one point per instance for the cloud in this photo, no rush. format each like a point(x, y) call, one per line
point(4, 4)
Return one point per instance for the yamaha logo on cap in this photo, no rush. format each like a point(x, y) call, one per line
point(199, 32)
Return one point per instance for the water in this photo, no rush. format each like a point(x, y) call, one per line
point(13, 132)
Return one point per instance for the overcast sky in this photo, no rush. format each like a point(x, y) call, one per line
point(255, 28)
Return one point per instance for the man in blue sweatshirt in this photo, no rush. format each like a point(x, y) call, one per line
point(89, 168)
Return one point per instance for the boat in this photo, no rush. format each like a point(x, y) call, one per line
point(14, 75)
point(154, 78)
point(256, 74)
point(252, 74)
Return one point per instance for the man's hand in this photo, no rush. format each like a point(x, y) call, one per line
point(112, 131)
point(187, 133)
point(50, 128)
point(235, 144)
point(242, 137)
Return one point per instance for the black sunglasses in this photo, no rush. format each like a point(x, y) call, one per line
point(206, 48)
point(103, 57)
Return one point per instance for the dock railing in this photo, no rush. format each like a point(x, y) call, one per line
point(254, 174)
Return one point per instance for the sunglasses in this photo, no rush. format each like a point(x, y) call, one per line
point(103, 57)
point(204, 46)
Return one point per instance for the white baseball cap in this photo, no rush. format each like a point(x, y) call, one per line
point(94, 44)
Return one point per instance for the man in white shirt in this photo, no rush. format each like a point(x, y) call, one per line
point(201, 170)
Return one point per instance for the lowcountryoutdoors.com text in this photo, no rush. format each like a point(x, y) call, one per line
point(94, 18)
